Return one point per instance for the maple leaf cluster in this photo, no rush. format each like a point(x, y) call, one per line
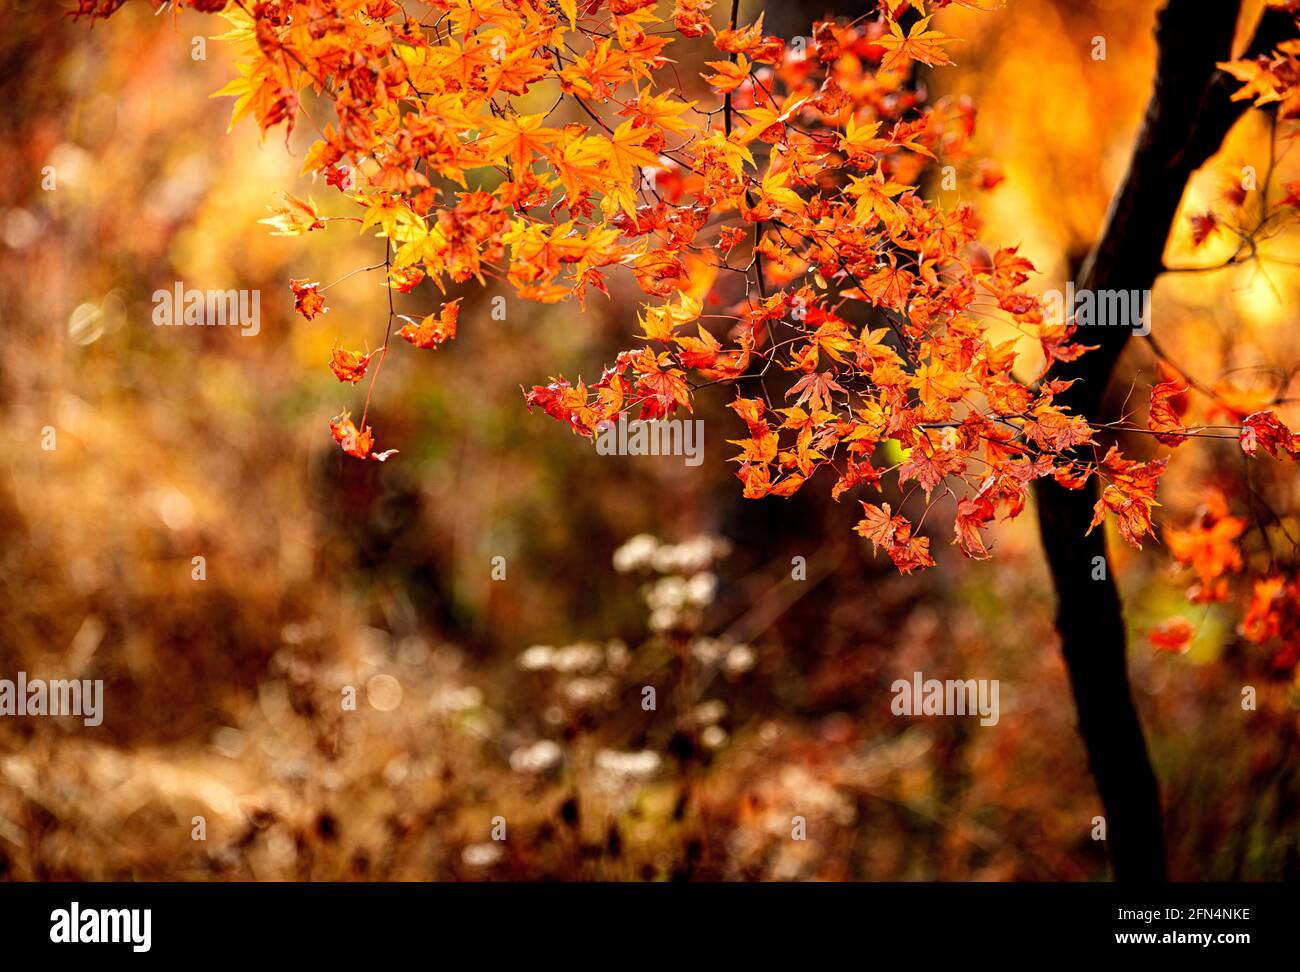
point(1268, 81)
point(868, 304)
point(1209, 549)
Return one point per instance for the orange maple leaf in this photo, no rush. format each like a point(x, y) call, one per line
point(919, 44)
point(356, 442)
point(1173, 635)
point(349, 366)
point(434, 329)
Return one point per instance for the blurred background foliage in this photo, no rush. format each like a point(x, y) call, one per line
point(522, 697)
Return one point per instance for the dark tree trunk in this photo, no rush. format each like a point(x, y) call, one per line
point(1187, 118)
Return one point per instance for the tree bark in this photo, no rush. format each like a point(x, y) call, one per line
point(1187, 118)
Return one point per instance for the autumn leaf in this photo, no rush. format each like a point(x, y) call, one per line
point(660, 273)
point(1173, 635)
point(788, 486)
point(519, 138)
point(815, 389)
point(295, 217)
point(860, 141)
point(406, 279)
point(306, 300)
point(1264, 430)
point(1168, 402)
point(659, 323)
point(1130, 495)
point(1209, 548)
point(919, 44)
point(355, 442)
point(972, 514)
point(664, 392)
point(624, 151)
point(929, 466)
point(1273, 616)
point(750, 40)
point(728, 75)
point(749, 409)
point(889, 286)
point(433, 329)
point(1260, 84)
point(910, 553)
point(878, 525)
point(349, 366)
point(699, 352)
